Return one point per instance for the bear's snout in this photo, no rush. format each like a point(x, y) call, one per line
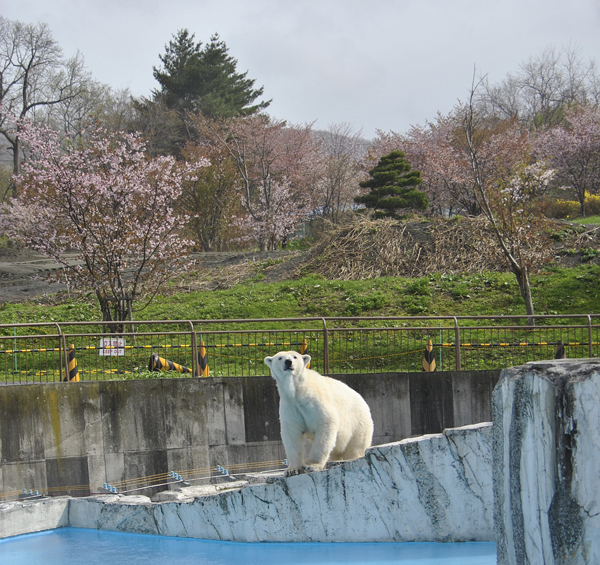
point(287, 364)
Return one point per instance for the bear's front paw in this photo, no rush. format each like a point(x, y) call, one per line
point(292, 472)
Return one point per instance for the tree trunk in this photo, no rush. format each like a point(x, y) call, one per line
point(525, 287)
point(115, 310)
point(16, 156)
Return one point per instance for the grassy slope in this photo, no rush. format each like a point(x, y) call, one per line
point(556, 291)
point(589, 220)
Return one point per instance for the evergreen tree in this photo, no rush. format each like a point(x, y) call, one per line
point(393, 187)
point(204, 79)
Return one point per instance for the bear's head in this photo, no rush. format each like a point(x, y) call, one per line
point(287, 363)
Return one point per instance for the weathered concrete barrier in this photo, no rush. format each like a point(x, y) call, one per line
point(18, 518)
point(62, 434)
point(547, 463)
point(546, 485)
point(432, 488)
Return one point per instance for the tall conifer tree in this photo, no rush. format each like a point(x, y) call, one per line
point(205, 79)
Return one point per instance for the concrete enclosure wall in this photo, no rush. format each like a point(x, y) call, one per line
point(546, 455)
point(61, 435)
point(436, 487)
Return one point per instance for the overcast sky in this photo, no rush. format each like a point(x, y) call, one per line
point(376, 64)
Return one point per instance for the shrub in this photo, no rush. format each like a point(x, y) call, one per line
point(558, 208)
point(592, 204)
point(562, 209)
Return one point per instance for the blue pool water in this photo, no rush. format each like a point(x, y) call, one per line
point(74, 546)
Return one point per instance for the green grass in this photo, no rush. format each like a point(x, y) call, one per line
point(557, 290)
point(588, 220)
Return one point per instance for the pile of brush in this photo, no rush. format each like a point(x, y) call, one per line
point(367, 249)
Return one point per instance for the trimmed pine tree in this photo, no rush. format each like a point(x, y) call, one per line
point(393, 185)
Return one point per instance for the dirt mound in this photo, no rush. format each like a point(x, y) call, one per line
point(369, 249)
point(361, 250)
point(374, 248)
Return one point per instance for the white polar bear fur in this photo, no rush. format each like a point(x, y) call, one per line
point(329, 413)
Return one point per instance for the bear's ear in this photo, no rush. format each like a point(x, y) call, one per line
point(306, 359)
point(268, 361)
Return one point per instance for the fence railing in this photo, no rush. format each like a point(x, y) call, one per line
point(49, 352)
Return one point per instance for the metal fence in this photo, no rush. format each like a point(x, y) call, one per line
point(50, 352)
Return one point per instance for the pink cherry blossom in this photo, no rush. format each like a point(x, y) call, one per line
point(279, 168)
point(573, 149)
point(108, 201)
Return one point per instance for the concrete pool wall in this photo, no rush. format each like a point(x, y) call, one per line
point(540, 458)
point(433, 488)
point(62, 434)
point(546, 442)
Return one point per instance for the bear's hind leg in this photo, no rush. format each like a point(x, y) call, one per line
point(356, 448)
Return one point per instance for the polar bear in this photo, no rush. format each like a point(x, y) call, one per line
point(335, 418)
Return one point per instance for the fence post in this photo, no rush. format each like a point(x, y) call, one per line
point(15, 357)
point(72, 371)
point(63, 354)
point(590, 349)
point(457, 344)
point(195, 371)
point(325, 348)
point(560, 350)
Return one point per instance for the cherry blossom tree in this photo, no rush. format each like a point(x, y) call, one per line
point(278, 219)
point(573, 149)
point(108, 201)
point(275, 161)
point(522, 233)
point(342, 149)
point(471, 160)
point(436, 151)
point(440, 151)
point(507, 184)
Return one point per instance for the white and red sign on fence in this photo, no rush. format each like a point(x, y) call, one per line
point(112, 346)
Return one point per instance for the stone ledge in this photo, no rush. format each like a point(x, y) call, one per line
point(431, 488)
point(25, 517)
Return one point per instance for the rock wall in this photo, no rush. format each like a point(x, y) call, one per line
point(543, 507)
point(61, 434)
point(547, 463)
point(432, 488)
point(25, 517)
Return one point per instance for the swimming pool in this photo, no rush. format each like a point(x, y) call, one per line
point(75, 546)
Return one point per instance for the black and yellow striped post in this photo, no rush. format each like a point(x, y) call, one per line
point(203, 369)
point(72, 371)
point(560, 351)
point(159, 364)
point(429, 358)
point(304, 350)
